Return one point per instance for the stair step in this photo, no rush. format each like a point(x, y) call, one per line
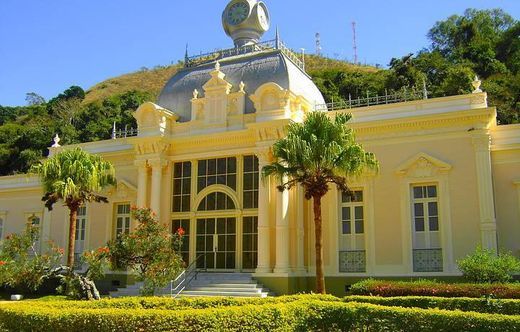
point(223, 294)
point(225, 290)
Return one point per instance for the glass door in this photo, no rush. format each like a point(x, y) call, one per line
point(216, 240)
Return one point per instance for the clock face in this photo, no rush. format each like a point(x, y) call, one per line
point(263, 17)
point(238, 13)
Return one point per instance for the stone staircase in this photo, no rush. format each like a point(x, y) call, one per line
point(209, 285)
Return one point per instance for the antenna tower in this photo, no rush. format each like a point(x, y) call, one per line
point(354, 42)
point(318, 44)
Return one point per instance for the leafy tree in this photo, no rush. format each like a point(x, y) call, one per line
point(22, 267)
point(318, 152)
point(74, 177)
point(33, 98)
point(151, 250)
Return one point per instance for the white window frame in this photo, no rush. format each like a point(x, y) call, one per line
point(428, 233)
point(351, 237)
point(423, 169)
point(28, 217)
point(126, 218)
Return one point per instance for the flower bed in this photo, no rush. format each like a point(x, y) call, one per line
point(387, 288)
point(482, 305)
point(293, 313)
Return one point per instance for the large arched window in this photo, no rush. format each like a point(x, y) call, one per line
point(216, 201)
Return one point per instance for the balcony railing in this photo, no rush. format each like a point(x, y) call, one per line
point(275, 44)
point(397, 97)
point(127, 132)
point(427, 260)
point(352, 261)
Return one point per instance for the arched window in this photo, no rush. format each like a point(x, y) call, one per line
point(216, 201)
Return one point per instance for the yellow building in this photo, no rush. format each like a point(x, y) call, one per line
point(449, 178)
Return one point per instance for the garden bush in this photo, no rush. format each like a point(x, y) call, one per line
point(483, 305)
point(486, 266)
point(297, 313)
point(387, 288)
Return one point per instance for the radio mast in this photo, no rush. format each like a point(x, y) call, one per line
point(318, 44)
point(354, 42)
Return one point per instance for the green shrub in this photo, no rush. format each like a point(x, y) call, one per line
point(486, 266)
point(387, 288)
point(483, 305)
point(305, 313)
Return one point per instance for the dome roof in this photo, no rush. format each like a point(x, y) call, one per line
point(254, 69)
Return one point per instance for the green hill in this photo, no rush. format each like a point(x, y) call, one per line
point(153, 80)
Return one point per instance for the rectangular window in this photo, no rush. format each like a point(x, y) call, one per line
point(81, 227)
point(251, 182)
point(217, 171)
point(352, 233)
point(122, 221)
point(185, 246)
point(250, 243)
point(181, 187)
point(427, 251)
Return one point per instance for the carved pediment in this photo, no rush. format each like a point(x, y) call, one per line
point(123, 190)
point(217, 83)
point(423, 166)
point(153, 119)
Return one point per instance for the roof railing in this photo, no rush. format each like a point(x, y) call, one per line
point(275, 44)
point(396, 97)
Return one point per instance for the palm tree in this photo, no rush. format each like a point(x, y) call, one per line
point(75, 177)
point(315, 153)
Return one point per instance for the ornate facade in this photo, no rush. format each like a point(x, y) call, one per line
point(449, 178)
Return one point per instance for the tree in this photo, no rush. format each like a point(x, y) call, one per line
point(74, 177)
point(22, 267)
point(318, 152)
point(33, 98)
point(151, 250)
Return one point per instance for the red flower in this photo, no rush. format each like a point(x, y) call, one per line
point(60, 251)
point(2, 263)
point(181, 231)
point(103, 250)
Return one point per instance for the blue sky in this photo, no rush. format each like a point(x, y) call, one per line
point(47, 46)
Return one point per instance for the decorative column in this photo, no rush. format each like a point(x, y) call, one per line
point(264, 240)
point(282, 231)
point(488, 227)
point(142, 182)
point(155, 197)
point(300, 197)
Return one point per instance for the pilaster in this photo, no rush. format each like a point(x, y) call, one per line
point(264, 240)
point(157, 166)
point(488, 228)
point(142, 182)
point(282, 232)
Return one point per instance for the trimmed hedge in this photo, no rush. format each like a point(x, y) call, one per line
point(388, 288)
point(503, 307)
point(306, 314)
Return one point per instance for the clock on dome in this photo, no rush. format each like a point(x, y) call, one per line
point(245, 21)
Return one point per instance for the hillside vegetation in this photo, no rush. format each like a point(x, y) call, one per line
point(479, 42)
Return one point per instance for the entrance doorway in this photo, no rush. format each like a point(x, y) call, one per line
point(216, 240)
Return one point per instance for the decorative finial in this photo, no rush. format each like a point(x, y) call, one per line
point(114, 135)
point(56, 140)
point(195, 94)
point(186, 56)
point(476, 84)
point(217, 66)
point(241, 86)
